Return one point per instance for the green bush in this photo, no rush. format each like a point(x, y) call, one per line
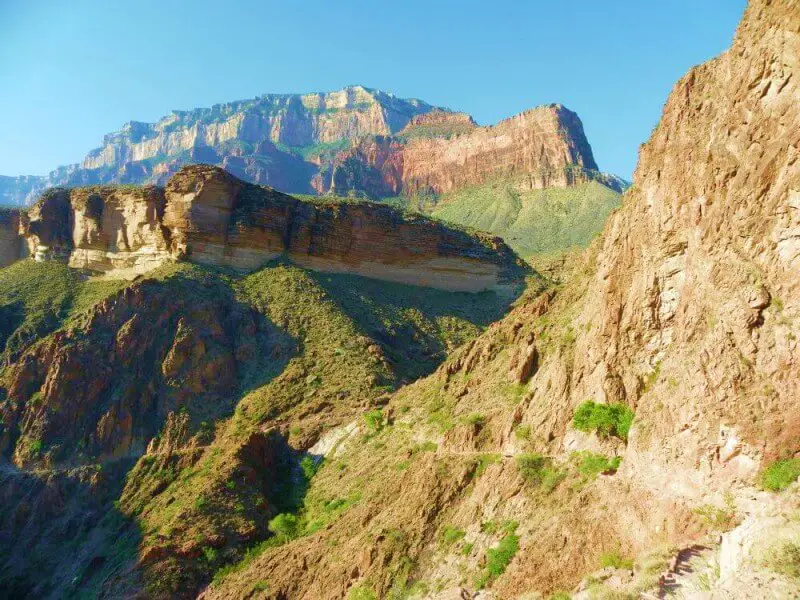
point(475, 419)
point(284, 526)
point(616, 560)
point(361, 593)
point(374, 420)
point(451, 535)
point(606, 419)
point(309, 467)
point(538, 470)
point(592, 464)
point(497, 559)
point(780, 475)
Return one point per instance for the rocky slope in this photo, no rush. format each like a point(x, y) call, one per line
point(210, 217)
point(684, 318)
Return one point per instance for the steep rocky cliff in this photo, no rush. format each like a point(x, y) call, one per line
point(210, 217)
point(356, 140)
point(621, 421)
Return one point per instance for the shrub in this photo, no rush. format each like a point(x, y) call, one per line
point(780, 475)
point(616, 560)
point(284, 526)
point(475, 419)
point(451, 535)
point(484, 460)
point(374, 420)
point(210, 554)
point(497, 559)
point(592, 464)
point(310, 467)
point(784, 559)
point(523, 432)
point(361, 593)
point(718, 519)
point(539, 471)
point(606, 419)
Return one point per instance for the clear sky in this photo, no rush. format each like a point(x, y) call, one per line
point(71, 71)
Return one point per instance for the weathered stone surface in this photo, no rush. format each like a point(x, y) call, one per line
point(210, 217)
point(356, 140)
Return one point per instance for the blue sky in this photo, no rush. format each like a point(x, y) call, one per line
point(73, 71)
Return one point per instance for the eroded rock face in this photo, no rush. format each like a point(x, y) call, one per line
point(441, 152)
point(103, 388)
point(353, 141)
point(210, 217)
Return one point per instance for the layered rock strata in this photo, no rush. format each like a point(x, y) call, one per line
point(210, 217)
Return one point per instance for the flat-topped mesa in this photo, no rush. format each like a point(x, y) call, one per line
point(210, 217)
point(439, 152)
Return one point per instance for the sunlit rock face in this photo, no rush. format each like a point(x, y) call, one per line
point(210, 217)
point(354, 141)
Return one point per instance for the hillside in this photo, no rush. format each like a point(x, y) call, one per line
point(534, 222)
point(632, 431)
point(188, 366)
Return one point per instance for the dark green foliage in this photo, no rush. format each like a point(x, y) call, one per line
point(539, 471)
point(284, 526)
point(606, 419)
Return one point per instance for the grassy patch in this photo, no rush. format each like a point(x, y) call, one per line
point(605, 419)
point(615, 560)
point(539, 471)
point(532, 222)
point(590, 465)
point(780, 474)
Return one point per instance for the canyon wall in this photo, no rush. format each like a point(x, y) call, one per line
point(210, 217)
point(356, 141)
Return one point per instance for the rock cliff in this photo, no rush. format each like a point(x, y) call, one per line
point(683, 317)
point(210, 217)
point(353, 141)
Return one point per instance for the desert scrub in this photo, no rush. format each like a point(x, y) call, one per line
point(590, 465)
point(615, 560)
point(784, 558)
point(497, 559)
point(538, 471)
point(780, 474)
point(605, 419)
point(716, 518)
point(451, 535)
point(482, 461)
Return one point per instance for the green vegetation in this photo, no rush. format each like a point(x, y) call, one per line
point(616, 560)
point(784, 558)
point(451, 535)
point(591, 465)
point(716, 518)
point(606, 419)
point(374, 421)
point(482, 461)
point(284, 526)
point(539, 471)
point(361, 592)
point(37, 297)
point(780, 474)
point(536, 222)
point(497, 559)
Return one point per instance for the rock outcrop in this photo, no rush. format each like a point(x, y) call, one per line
point(354, 141)
point(210, 217)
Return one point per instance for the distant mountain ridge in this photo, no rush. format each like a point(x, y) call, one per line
point(355, 141)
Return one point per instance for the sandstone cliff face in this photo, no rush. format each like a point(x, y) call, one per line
point(356, 140)
point(210, 217)
point(102, 388)
point(686, 311)
point(543, 147)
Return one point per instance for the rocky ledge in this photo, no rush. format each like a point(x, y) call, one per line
point(208, 216)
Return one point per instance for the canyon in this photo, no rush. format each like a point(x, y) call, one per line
point(209, 217)
point(212, 389)
point(354, 141)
